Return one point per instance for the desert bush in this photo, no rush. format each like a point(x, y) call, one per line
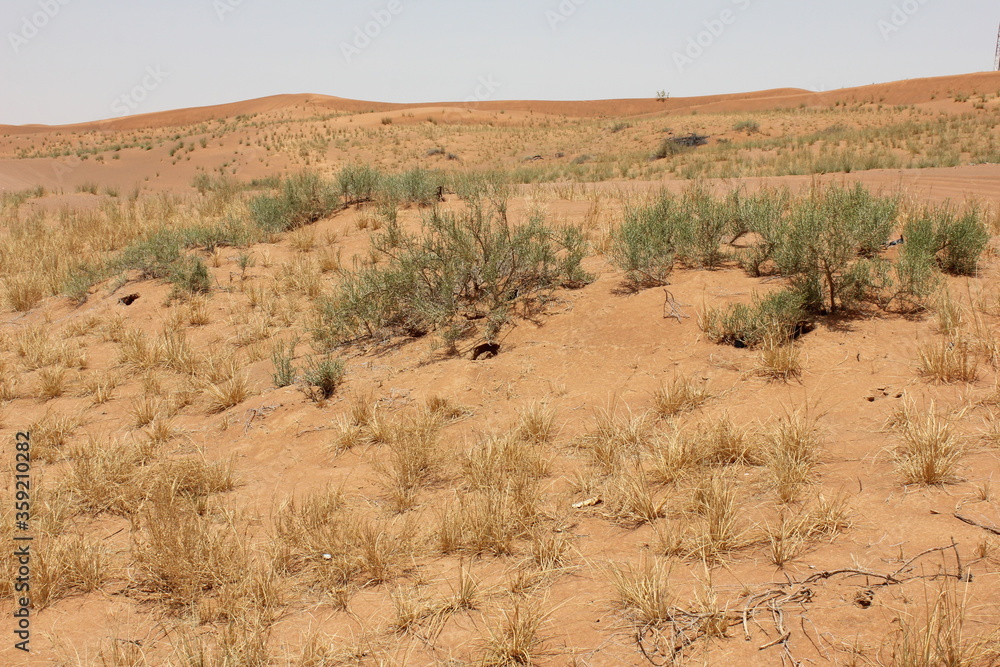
point(283, 358)
point(762, 215)
point(669, 148)
point(359, 183)
point(825, 235)
point(645, 244)
point(490, 187)
point(325, 373)
point(153, 257)
point(464, 274)
point(304, 198)
point(775, 318)
point(961, 240)
point(190, 276)
point(416, 186)
point(708, 220)
point(749, 126)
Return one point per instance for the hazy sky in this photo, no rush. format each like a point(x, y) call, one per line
point(66, 61)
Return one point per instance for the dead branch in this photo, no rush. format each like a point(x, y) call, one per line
point(987, 527)
point(666, 643)
point(672, 308)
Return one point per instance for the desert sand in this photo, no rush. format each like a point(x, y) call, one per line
point(130, 433)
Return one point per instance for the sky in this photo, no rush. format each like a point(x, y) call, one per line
point(64, 61)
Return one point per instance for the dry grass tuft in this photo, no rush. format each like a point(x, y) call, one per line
point(680, 394)
point(947, 362)
point(105, 475)
point(629, 498)
point(228, 393)
point(336, 548)
point(715, 527)
point(51, 383)
point(489, 521)
point(721, 443)
point(515, 639)
point(779, 362)
point(644, 591)
point(943, 633)
point(536, 424)
point(101, 386)
point(792, 455)
point(416, 460)
point(51, 433)
point(137, 353)
point(68, 565)
point(181, 556)
point(929, 451)
point(616, 440)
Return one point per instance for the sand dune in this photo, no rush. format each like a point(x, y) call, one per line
point(913, 91)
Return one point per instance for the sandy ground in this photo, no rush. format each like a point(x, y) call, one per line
point(594, 348)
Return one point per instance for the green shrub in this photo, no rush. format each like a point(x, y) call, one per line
point(492, 187)
point(669, 148)
point(465, 274)
point(775, 318)
point(325, 374)
point(645, 244)
point(824, 235)
point(962, 241)
point(748, 126)
point(915, 272)
point(190, 275)
point(416, 186)
point(153, 257)
point(708, 220)
point(359, 183)
point(283, 357)
point(304, 198)
point(762, 215)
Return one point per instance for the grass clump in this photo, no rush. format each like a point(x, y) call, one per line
point(929, 452)
point(283, 358)
point(359, 183)
point(947, 362)
point(190, 276)
point(680, 394)
point(464, 275)
point(325, 373)
point(303, 199)
point(775, 318)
